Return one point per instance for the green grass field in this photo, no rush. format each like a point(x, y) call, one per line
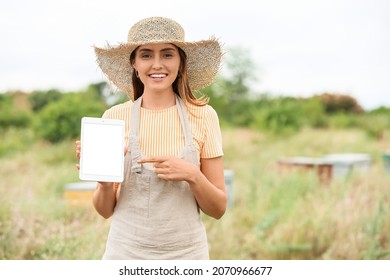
point(273, 216)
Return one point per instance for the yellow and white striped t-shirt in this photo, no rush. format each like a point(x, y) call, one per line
point(161, 133)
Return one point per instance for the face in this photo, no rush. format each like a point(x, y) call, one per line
point(157, 66)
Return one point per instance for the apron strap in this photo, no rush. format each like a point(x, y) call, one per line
point(134, 139)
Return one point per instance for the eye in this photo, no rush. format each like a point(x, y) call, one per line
point(146, 55)
point(168, 55)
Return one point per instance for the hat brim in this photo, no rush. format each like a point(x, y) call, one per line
point(203, 63)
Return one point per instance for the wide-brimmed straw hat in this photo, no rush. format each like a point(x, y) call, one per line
point(203, 57)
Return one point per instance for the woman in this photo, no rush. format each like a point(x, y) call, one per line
point(173, 164)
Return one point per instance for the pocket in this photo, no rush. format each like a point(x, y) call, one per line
point(139, 194)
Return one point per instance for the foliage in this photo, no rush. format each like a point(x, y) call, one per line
point(62, 119)
point(5, 102)
point(55, 115)
point(281, 116)
point(313, 112)
point(382, 110)
point(39, 99)
point(231, 94)
point(238, 74)
point(238, 106)
point(233, 111)
point(9, 116)
point(374, 123)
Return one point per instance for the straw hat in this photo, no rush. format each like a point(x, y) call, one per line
point(203, 57)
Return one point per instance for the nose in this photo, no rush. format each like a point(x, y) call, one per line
point(157, 64)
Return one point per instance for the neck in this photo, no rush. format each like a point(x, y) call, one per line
point(158, 101)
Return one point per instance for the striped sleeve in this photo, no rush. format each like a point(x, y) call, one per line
point(212, 146)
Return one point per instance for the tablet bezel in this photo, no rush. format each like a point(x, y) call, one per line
point(119, 143)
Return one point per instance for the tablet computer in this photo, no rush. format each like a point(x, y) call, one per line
point(102, 149)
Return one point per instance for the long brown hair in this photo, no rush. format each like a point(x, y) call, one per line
point(180, 86)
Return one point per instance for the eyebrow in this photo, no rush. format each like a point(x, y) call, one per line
point(162, 50)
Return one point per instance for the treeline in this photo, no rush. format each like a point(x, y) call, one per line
point(238, 105)
point(54, 115)
point(284, 115)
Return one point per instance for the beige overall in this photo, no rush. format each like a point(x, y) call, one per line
point(155, 218)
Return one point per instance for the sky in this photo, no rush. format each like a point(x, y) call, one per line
point(298, 47)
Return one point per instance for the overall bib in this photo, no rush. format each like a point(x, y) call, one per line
point(155, 218)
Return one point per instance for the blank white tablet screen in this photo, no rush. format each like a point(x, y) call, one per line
point(102, 150)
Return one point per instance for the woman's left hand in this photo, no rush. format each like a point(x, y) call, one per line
point(172, 168)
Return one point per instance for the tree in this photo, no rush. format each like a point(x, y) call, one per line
point(238, 74)
point(39, 99)
point(230, 94)
point(340, 103)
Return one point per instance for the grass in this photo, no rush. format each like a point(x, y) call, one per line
point(272, 216)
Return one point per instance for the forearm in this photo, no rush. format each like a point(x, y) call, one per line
point(211, 199)
point(104, 199)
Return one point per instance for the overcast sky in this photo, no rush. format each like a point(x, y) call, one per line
point(300, 47)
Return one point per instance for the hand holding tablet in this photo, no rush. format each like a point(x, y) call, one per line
point(102, 150)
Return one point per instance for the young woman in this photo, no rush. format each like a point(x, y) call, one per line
point(173, 163)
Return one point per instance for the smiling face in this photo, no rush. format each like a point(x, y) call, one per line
point(157, 66)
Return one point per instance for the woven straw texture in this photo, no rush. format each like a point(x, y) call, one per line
point(203, 57)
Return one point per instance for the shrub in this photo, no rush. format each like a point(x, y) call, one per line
point(40, 99)
point(10, 118)
point(282, 116)
point(313, 113)
point(62, 119)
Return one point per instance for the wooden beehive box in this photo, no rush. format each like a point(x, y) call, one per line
point(79, 193)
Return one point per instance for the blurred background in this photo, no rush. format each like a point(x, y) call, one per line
point(303, 99)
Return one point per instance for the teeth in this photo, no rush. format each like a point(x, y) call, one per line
point(158, 75)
